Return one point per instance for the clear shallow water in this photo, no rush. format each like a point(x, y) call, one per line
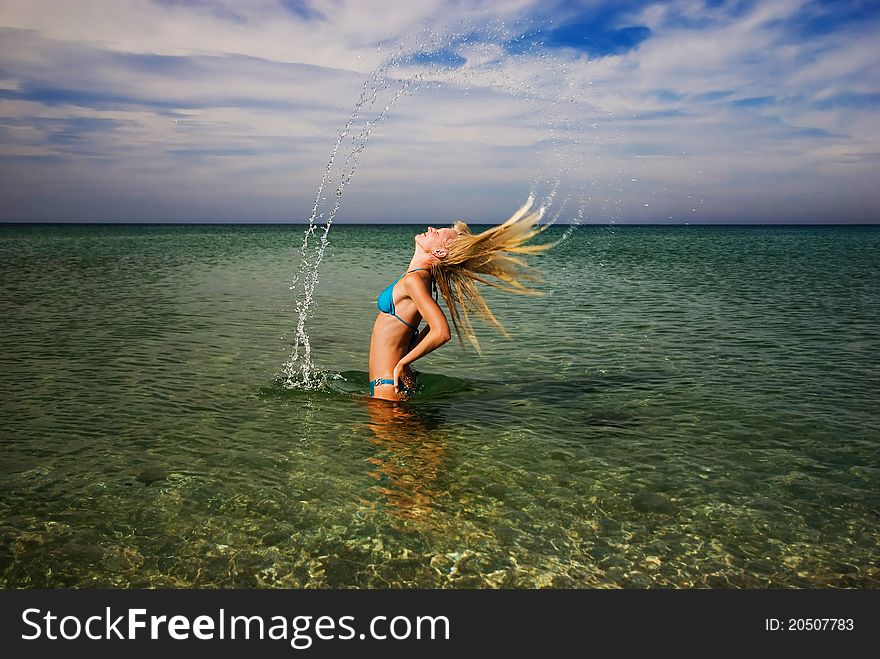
point(686, 407)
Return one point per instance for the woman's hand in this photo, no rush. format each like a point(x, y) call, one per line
point(398, 371)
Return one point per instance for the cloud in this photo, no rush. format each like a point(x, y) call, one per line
point(220, 110)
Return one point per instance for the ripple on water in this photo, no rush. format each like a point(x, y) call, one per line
point(704, 418)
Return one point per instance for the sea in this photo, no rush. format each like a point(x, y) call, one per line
point(682, 407)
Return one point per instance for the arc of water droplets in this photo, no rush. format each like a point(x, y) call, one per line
point(298, 369)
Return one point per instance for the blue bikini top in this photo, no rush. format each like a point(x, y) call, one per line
point(385, 301)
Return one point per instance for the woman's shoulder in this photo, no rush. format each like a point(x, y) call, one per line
point(418, 276)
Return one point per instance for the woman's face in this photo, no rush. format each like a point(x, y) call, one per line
point(435, 239)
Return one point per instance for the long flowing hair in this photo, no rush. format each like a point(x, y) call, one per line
point(473, 258)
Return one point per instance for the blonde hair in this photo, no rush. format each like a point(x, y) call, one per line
point(473, 257)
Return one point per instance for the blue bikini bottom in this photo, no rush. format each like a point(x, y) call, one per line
point(406, 391)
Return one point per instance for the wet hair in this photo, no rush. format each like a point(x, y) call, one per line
point(488, 258)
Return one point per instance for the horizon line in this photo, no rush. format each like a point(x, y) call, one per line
point(361, 224)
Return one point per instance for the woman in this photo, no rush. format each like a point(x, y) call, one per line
point(450, 260)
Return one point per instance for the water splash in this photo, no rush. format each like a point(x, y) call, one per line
point(549, 90)
point(298, 370)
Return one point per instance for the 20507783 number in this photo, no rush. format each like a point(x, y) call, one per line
point(820, 624)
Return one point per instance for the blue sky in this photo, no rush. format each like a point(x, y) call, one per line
point(226, 111)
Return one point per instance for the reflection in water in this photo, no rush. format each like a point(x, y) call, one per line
point(408, 465)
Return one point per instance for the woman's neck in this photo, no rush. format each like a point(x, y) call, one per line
point(421, 260)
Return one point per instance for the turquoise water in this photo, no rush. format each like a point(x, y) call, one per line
point(685, 407)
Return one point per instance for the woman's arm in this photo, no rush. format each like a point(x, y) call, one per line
point(418, 289)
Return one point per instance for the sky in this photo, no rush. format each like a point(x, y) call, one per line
point(425, 111)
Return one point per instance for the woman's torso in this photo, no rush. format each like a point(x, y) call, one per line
point(391, 336)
